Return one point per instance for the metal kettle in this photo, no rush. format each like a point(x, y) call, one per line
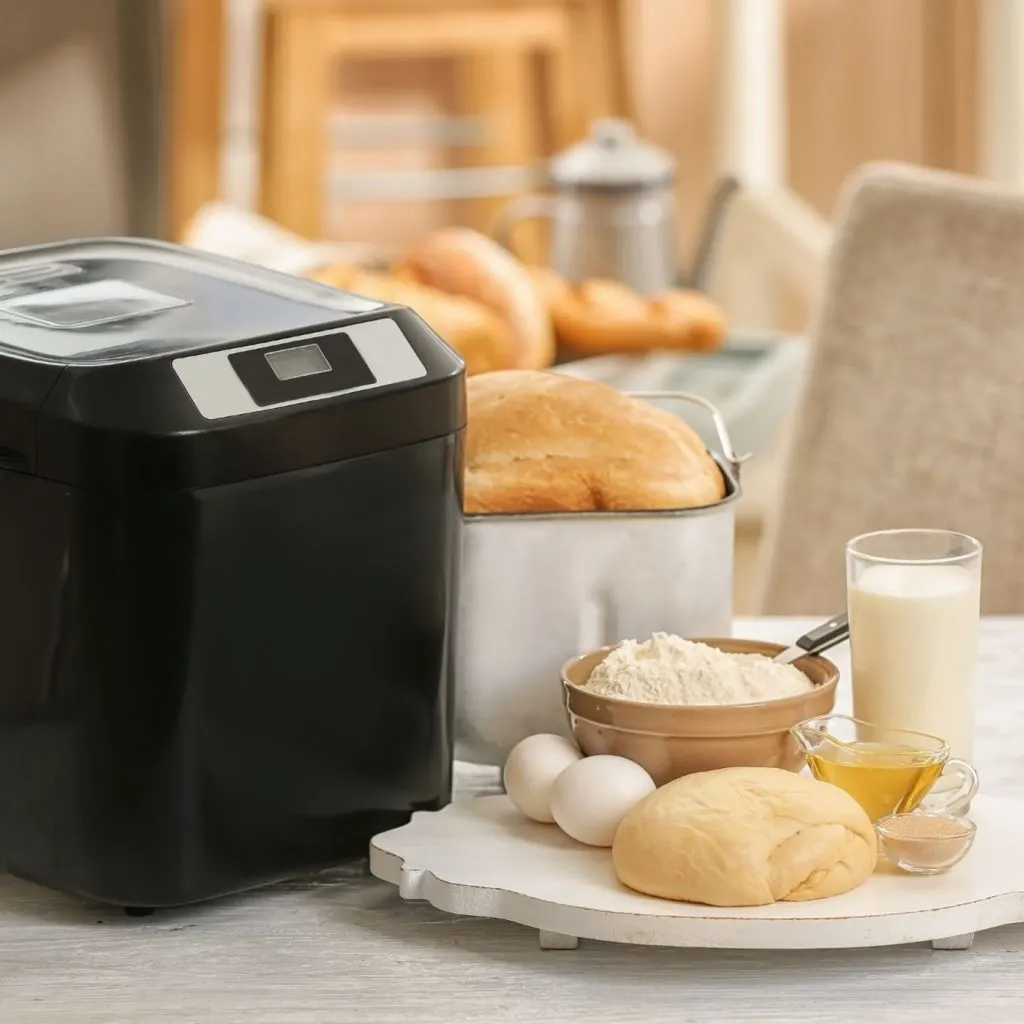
point(611, 209)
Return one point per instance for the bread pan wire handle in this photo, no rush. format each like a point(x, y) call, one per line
point(735, 461)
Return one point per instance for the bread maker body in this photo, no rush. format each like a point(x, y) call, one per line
point(230, 525)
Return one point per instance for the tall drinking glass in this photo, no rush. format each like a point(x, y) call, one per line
point(914, 600)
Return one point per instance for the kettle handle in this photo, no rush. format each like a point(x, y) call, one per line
point(725, 191)
point(518, 212)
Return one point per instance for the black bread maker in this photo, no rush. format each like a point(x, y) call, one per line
point(229, 534)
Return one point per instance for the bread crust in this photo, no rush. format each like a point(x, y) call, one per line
point(598, 316)
point(478, 334)
point(460, 261)
point(548, 442)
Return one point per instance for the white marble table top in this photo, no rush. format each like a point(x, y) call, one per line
point(345, 949)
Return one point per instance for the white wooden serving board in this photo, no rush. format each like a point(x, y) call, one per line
point(481, 858)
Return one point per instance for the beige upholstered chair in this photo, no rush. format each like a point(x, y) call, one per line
point(913, 411)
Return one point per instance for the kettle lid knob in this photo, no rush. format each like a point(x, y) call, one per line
point(612, 157)
point(612, 132)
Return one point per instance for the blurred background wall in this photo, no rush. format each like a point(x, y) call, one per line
point(81, 100)
point(60, 168)
point(866, 79)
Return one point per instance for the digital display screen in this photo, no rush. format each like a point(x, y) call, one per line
point(303, 369)
point(301, 361)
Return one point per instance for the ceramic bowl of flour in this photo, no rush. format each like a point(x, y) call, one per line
point(671, 740)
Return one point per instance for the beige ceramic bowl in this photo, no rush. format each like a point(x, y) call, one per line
point(670, 741)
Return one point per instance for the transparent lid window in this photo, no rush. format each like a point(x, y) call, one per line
point(114, 300)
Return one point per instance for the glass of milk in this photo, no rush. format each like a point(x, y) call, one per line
point(913, 597)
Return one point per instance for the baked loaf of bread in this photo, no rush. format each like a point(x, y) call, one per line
point(745, 837)
point(483, 339)
point(461, 261)
point(547, 442)
point(598, 316)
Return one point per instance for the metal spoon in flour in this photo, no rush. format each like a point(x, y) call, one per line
point(820, 639)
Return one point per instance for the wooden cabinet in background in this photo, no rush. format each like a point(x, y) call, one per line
point(497, 46)
point(867, 80)
point(878, 80)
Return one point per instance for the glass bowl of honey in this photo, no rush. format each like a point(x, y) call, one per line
point(925, 844)
point(887, 771)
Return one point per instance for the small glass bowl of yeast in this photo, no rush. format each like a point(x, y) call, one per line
point(925, 844)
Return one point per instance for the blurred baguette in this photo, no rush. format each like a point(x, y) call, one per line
point(598, 316)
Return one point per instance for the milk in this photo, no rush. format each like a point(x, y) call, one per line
point(914, 644)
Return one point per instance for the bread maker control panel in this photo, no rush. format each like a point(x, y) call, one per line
point(272, 374)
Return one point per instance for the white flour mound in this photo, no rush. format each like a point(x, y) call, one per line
point(670, 670)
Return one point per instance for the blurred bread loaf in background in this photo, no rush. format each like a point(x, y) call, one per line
point(461, 261)
point(483, 339)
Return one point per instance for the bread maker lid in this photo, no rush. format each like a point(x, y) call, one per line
point(113, 300)
point(135, 363)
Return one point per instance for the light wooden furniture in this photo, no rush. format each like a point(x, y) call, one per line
point(196, 72)
point(865, 80)
point(343, 947)
point(879, 80)
point(494, 43)
point(911, 413)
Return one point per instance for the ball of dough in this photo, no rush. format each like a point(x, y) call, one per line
point(745, 837)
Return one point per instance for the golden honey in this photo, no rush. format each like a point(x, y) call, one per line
point(883, 778)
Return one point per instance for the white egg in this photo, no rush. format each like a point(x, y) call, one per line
point(591, 797)
point(531, 769)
